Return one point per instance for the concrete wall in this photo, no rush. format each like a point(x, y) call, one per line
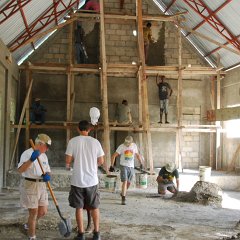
point(8, 101)
point(230, 89)
point(121, 47)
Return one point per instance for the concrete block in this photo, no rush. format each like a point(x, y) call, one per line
point(114, 26)
point(110, 43)
point(114, 38)
point(114, 59)
point(125, 59)
point(187, 138)
point(54, 50)
point(186, 149)
point(121, 32)
point(48, 56)
point(110, 32)
point(194, 154)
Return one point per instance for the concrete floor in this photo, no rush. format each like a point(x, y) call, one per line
point(144, 217)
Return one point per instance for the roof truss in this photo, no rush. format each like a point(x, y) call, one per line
point(211, 18)
point(52, 14)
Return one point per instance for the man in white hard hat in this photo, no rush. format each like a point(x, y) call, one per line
point(165, 179)
point(33, 192)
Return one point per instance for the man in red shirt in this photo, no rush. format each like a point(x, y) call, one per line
point(92, 5)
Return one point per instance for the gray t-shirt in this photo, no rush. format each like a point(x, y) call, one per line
point(123, 112)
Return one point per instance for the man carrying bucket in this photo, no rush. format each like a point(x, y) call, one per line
point(127, 152)
point(165, 179)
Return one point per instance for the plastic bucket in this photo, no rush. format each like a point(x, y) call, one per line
point(111, 182)
point(141, 180)
point(204, 173)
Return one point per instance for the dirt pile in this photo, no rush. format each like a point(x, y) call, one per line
point(205, 193)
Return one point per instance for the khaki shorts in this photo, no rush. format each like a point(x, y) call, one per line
point(33, 194)
point(163, 187)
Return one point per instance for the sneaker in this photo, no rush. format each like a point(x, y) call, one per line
point(24, 229)
point(25, 226)
point(123, 200)
point(80, 236)
point(166, 122)
point(160, 122)
point(96, 236)
point(32, 238)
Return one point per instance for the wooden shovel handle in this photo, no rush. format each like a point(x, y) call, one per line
point(48, 183)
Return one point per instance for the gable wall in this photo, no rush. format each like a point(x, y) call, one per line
point(121, 48)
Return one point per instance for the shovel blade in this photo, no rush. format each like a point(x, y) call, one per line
point(65, 227)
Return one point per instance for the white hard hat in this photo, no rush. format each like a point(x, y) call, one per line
point(94, 115)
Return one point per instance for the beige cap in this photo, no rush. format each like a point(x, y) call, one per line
point(37, 99)
point(128, 141)
point(170, 167)
point(43, 138)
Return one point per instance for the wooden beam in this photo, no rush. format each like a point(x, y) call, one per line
point(143, 80)
point(218, 135)
point(27, 112)
point(152, 17)
point(179, 139)
point(106, 133)
point(26, 101)
point(42, 34)
point(130, 69)
point(209, 39)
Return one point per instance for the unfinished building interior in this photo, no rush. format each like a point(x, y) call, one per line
point(195, 45)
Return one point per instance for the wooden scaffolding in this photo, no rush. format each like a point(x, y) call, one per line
point(140, 71)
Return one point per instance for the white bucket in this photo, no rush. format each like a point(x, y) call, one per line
point(111, 182)
point(141, 180)
point(204, 173)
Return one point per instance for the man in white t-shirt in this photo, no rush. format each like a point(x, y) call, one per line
point(33, 192)
point(87, 154)
point(127, 151)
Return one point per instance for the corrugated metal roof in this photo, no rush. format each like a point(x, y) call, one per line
point(13, 26)
point(229, 16)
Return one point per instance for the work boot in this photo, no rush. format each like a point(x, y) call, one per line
point(96, 236)
point(80, 236)
point(123, 200)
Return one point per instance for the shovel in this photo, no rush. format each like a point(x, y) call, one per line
point(64, 226)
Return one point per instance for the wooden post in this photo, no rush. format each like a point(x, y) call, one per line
point(69, 82)
point(140, 117)
point(218, 134)
point(143, 79)
point(27, 113)
point(106, 131)
point(179, 104)
point(26, 101)
point(212, 100)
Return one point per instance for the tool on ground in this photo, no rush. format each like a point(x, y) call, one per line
point(64, 226)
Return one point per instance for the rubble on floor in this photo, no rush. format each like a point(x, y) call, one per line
point(205, 193)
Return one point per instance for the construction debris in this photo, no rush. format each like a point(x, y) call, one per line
point(205, 193)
